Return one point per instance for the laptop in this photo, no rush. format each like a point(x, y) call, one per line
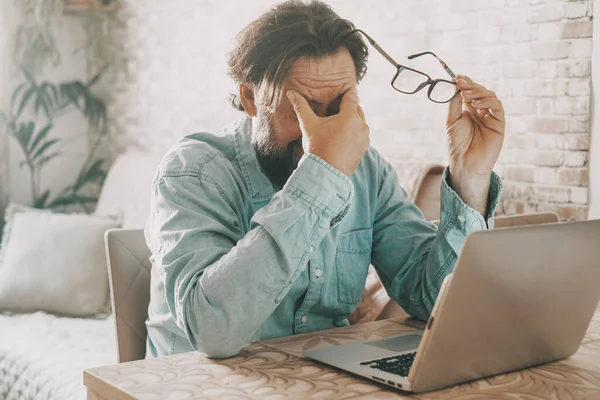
point(518, 297)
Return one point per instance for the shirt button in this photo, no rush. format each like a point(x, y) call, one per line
point(318, 273)
point(311, 249)
point(304, 319)
point(461, 218)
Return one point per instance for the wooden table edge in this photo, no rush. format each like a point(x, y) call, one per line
point(102, 388)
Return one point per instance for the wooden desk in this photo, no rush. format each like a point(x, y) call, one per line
point(275, 369)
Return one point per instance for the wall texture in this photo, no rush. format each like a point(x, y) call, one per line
point(5, 28)
point(536, 54)
point(594, 182)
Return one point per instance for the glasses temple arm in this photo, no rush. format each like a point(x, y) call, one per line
point(446, 68)
point(378, 48)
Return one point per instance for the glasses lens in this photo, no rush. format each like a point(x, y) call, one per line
point(442, 91)
point(408, 81)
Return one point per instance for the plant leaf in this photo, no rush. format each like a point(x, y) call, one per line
point(28, 76)
point(66, 92)
point(40, 202)
point(72, 199)
point(95, 171)
point(72, 91)
point(40, 136)
point(96, 77)
point(93, 174)
point(46, 101)
point(25, 99)
point(23, 134)
point(38, 103)
point(82, 92)
point(55, 95)
point(94, 110)
point(97, 112)
point(44, 98)
point(16, 94)
point(43, 148)
point(45, 160)
point(3, 117)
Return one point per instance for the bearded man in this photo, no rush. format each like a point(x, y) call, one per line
point(268, 227)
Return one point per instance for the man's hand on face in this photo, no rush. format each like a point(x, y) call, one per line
point(341, 139)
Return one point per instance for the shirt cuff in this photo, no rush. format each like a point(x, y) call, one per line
point(320, 185)
point(455, 210)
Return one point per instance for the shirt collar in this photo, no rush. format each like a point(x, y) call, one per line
point(259, 185)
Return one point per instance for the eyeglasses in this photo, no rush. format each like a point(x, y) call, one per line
point(410, 81)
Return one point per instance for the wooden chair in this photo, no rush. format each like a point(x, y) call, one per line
point(426, 194)
point(525, 219)
point(129, 277)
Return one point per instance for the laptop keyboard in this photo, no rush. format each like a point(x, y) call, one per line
point(399, 365)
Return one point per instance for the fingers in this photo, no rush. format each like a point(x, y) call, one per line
point(454, 110)
point(349, 102)
point(476, 93)
point(301, 107)
point(465, 83)
point(491, 105)
point(483, 102)
point(491, 122)
point(361, 113)
point(481, 111)
point(471, 90)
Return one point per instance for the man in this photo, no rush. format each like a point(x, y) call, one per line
point(268, 228)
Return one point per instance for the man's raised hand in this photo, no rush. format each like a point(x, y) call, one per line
point(341, 139)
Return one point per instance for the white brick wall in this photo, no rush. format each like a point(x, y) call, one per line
point(594, 150)
point(536, 54)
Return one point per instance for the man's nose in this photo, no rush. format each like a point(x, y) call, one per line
point(326, 111)
point(320, 111)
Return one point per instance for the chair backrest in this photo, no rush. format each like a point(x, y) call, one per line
point(525, 219)
point(426, 194)
point(506, 221)
point(129, 277)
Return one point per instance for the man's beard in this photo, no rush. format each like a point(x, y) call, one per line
point(276, 161)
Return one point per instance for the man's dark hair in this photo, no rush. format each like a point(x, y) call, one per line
point(266, 49)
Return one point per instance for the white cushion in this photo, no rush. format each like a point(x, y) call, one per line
point(54, 262)
point(127, 188)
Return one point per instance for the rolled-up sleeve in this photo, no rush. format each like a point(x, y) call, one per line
point(413, 256)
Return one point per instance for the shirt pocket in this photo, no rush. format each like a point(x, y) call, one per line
point(352, 260)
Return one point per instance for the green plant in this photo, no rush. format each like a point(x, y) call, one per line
point(35, 104)
point(50, 101)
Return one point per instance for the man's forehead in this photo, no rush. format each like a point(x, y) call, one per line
point(324, 78)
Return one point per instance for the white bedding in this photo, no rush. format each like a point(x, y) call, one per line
point(43, 356)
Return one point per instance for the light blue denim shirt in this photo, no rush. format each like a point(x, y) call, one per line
point(236, 260)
